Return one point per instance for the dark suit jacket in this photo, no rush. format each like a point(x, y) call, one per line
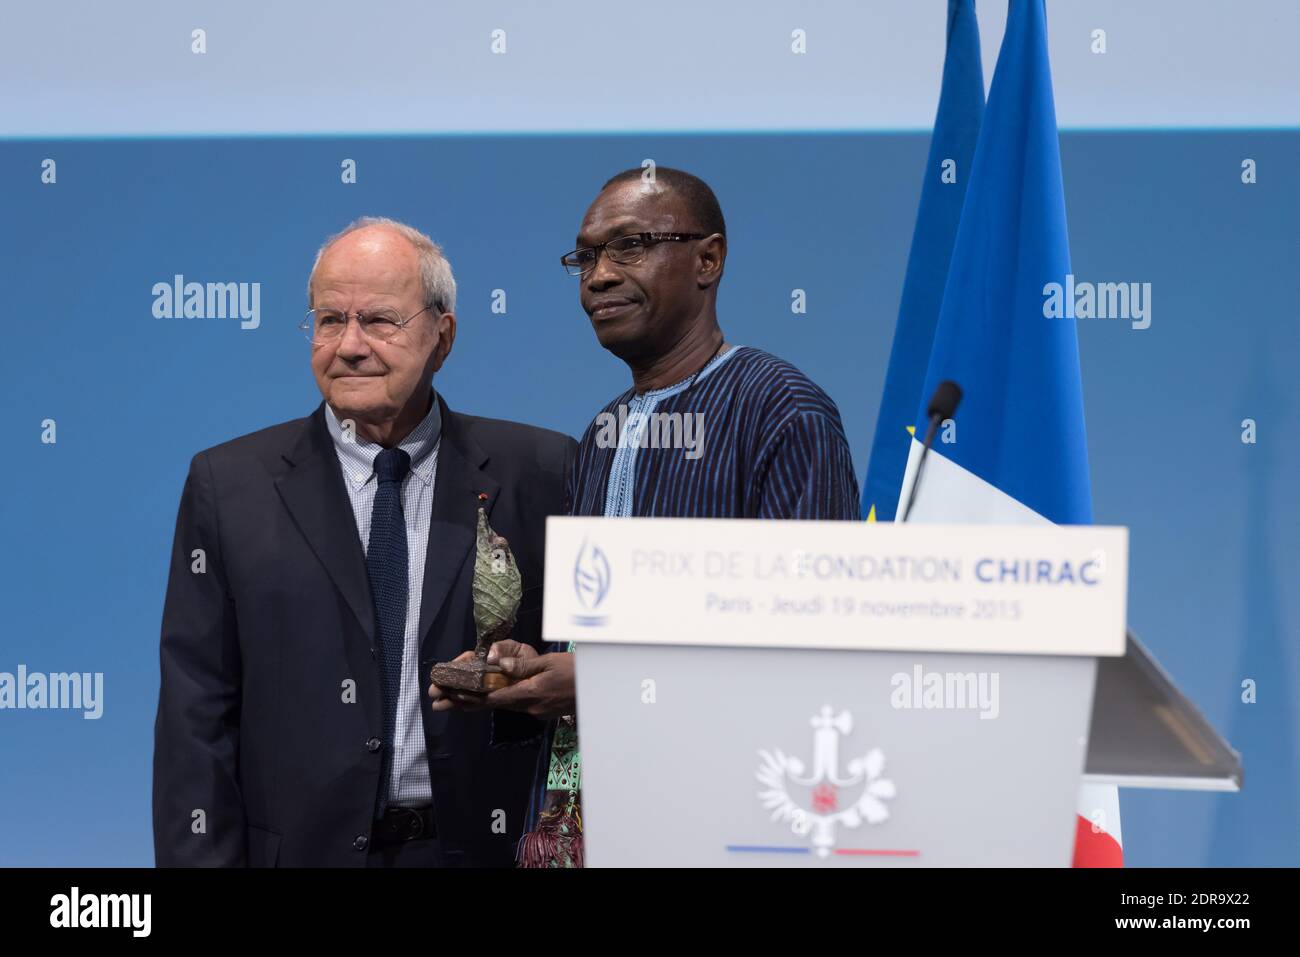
point(260, 754)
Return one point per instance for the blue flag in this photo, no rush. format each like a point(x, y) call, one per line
point(947, 170)
point(1017, 451)
point(1021, 420)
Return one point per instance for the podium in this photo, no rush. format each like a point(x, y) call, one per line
point(832, 694)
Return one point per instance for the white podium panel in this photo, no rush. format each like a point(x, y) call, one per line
point(746, 757)
point(832, 693)
point(1039, 590)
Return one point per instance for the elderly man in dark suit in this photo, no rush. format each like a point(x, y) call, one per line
point(320, 567)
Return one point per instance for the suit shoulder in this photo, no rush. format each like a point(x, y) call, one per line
point(515, 439)
point(257, 445)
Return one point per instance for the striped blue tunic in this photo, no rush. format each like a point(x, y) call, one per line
point(749, 436)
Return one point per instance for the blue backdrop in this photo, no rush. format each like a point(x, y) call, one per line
point(88, 520)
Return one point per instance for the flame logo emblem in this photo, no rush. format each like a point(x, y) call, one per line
point(591, 575)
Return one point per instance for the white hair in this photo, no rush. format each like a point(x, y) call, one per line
point(438, 283)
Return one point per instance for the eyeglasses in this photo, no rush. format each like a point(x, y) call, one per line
point(624, 250)
point(382, 325)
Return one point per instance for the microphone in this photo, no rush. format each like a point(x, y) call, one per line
point(942, 405)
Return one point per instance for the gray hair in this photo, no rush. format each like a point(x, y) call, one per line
point(435, 272)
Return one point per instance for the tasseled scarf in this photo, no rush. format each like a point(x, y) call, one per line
point(554, 838)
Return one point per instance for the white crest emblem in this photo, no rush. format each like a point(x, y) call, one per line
point(778, 771)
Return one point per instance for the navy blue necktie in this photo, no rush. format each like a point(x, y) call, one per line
point(386, 565)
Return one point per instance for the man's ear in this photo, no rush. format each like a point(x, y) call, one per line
point(712, 257)
point(446, 326)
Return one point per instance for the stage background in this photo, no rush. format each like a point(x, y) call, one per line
point(87, 522)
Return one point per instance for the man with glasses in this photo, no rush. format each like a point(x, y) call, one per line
point(320, 567)
point(649, 259)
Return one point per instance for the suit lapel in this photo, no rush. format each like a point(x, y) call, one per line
point(312, 490)
point(456, 488)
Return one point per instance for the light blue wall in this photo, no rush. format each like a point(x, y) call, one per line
point(84, 67)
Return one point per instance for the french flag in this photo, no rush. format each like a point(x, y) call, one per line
point(1018, 451)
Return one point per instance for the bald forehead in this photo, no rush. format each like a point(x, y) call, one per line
point(634, 206)
point(374, 257)
point(374, 242)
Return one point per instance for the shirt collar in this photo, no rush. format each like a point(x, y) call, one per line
point(709, 367)
point(357, 456)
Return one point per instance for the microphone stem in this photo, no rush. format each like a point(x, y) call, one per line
point(930, 430)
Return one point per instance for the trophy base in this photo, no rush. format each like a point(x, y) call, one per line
point(475, 676)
